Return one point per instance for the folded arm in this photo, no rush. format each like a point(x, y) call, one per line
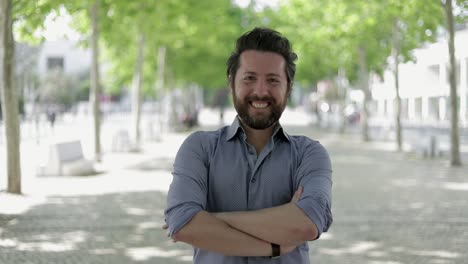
point(186, 215)
point(285, 225)
point(207, 232)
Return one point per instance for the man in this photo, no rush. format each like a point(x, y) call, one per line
point(249, 192)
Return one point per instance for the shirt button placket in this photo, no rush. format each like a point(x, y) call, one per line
point(254, 158)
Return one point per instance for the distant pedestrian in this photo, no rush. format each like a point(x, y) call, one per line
point(250, 192)
point(51, 115)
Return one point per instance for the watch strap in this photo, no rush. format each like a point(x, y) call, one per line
point(275, 250)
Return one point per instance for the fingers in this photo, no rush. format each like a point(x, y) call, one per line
point(165, 227)
point(297, 194)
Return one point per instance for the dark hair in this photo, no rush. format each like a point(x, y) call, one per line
point(263, 39)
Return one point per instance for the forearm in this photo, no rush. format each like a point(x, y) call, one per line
point(285, 225)
point(207, 232)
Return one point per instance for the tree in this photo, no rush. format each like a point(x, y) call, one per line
point(95, 92)
point(311, 27)
point(9, 97)
point(454, 127)
point(413, 23)
point(337, 36)
point(188, 33)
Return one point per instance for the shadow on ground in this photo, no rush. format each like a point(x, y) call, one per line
point(393, 208)
point(154, 164)
point(111, 228)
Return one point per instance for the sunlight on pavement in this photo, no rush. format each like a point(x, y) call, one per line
point(355, 160)
point(7, 242)
point(148, 225)
point(142, 254)
point(416, 205)
point(103, 251)
point(456, 186)
point(13, 204)
point(436, 253)
point(122, 181)
point(326, 236)
point(405, 182)
point(357, 248)
point(136, 211)
point(384, 262)
point(67, 242)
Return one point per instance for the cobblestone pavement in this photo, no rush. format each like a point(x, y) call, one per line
point(393, 207)
point(388, 207)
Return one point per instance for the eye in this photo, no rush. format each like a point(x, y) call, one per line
point(273, 81)
point(249, 78)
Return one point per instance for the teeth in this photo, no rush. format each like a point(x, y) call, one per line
point(259, 105)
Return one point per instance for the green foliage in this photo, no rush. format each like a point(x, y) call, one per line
point(328, 34)
point(29, 16)
point(189, 29)
point(58, 88)
point(461, 11)
point(199, 35)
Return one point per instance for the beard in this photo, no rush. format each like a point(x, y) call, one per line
point(261, 121)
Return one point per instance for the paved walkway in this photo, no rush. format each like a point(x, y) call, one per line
point(388, 207)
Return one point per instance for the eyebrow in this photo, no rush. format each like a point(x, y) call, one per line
point(269, 74)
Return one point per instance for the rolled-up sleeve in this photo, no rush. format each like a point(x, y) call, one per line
point(187, 192)
point(315, 176)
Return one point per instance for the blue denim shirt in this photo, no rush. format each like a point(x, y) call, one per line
point(218, 171)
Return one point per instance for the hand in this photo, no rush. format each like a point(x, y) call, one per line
point(297, 194)
point(286, 249)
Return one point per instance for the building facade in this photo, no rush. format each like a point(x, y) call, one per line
point(424, 84)
point(64, 55)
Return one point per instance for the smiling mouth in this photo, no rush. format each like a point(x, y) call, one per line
point(259, 105)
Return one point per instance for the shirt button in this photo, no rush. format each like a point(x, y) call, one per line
point(253, 180)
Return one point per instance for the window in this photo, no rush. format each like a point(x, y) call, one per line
point(55, 63)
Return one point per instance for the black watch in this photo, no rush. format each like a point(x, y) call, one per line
point(275, 250)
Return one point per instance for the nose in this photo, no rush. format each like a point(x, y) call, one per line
point(261, 89)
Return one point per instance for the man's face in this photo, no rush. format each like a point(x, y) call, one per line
point(260, 91)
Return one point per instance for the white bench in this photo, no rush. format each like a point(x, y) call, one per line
point(427, 146)
point(66, 158)
point(121, 141)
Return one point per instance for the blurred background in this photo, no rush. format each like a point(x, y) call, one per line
point(110, 88)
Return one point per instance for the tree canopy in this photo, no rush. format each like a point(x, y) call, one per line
point(199, 35)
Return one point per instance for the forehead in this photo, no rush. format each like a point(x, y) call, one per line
point(262, 63)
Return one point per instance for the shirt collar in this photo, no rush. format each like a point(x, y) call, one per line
point(279, 130)
point(236, 126)
point(233, 129)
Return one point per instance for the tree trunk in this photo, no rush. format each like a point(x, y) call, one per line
point(9, 98)
point(396, 55)
point(454, 135)
point(95, 82)
point(136, 88)
point(364, 81)
point(160, 88)
point(342, 95)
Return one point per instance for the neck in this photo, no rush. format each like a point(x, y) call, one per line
point(258, 137)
